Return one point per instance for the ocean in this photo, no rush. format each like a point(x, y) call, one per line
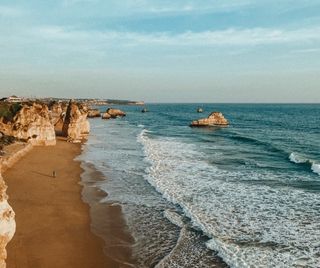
point(246, 195)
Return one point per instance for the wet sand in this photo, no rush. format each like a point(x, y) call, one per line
point(53, 222)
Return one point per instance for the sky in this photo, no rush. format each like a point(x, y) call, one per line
point(162, 50)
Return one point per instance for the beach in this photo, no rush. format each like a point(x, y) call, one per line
point(53, 222)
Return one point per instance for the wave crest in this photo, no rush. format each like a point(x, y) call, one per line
point(299, 159)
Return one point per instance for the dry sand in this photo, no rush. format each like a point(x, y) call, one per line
point(53, 223)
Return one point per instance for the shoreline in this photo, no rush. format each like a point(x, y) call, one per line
point(53, 222)
point(107, 220)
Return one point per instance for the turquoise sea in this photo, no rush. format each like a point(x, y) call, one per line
point(246, 195)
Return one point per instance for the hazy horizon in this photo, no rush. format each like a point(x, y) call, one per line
point(242, 51)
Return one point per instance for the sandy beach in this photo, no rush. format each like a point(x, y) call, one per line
point(53, 223)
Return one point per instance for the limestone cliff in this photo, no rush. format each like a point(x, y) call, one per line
point(32, 123)
point(7, 222)
point(76, 126)
point(56, 112)
point(93, 113)
point(214, 119)
point(7, 215)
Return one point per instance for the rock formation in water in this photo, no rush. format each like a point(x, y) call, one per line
point(31, 123)
point(115, 112)
point(76, 126)
point(92, 113)
point(105, 116)
point(112, 113)
point(214, 119)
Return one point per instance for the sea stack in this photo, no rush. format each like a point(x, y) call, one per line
point(76, 126)
point(105, 116)
point(113, 113)
point(214, 119)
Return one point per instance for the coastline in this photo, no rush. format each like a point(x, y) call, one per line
point(53, 222)
point(107, 221)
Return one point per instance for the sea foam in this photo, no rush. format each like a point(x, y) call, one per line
point(250, 225)
point(316, 168)
point(298, 159)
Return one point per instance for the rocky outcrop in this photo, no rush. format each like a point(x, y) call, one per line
point(92, 113)
point(115, 113)
point(76, 127)
point(214, 119)
point(112, 113)
point(7, 215)
point(32, 123)
point(7, 222)
point(56, 112)
point(105, 116)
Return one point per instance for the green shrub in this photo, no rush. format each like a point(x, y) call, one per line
point(9, 110)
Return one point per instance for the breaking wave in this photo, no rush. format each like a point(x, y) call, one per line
point(250, 225)
point(298, 159)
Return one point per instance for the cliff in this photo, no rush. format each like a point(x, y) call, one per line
point(93, 113)
point(7, 215)
point(7, 222)
point(57, 112)
point(76, 126)
point(31, 123)
point(214, 119)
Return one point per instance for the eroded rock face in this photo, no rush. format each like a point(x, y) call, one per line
point(115, 113)
point(214, 119)
point(56, 113)
point(7, 215)
point(7, 222)
point(93, 113)
point(76, 126)
point(32, 123)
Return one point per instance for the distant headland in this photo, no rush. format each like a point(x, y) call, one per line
point(87, 101)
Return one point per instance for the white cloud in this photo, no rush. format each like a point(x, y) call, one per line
point(228, 37)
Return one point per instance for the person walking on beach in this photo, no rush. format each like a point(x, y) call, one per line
point(54, 174)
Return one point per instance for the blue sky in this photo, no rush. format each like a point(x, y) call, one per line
point(162, 51)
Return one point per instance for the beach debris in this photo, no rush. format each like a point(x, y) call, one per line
point(214, 119)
